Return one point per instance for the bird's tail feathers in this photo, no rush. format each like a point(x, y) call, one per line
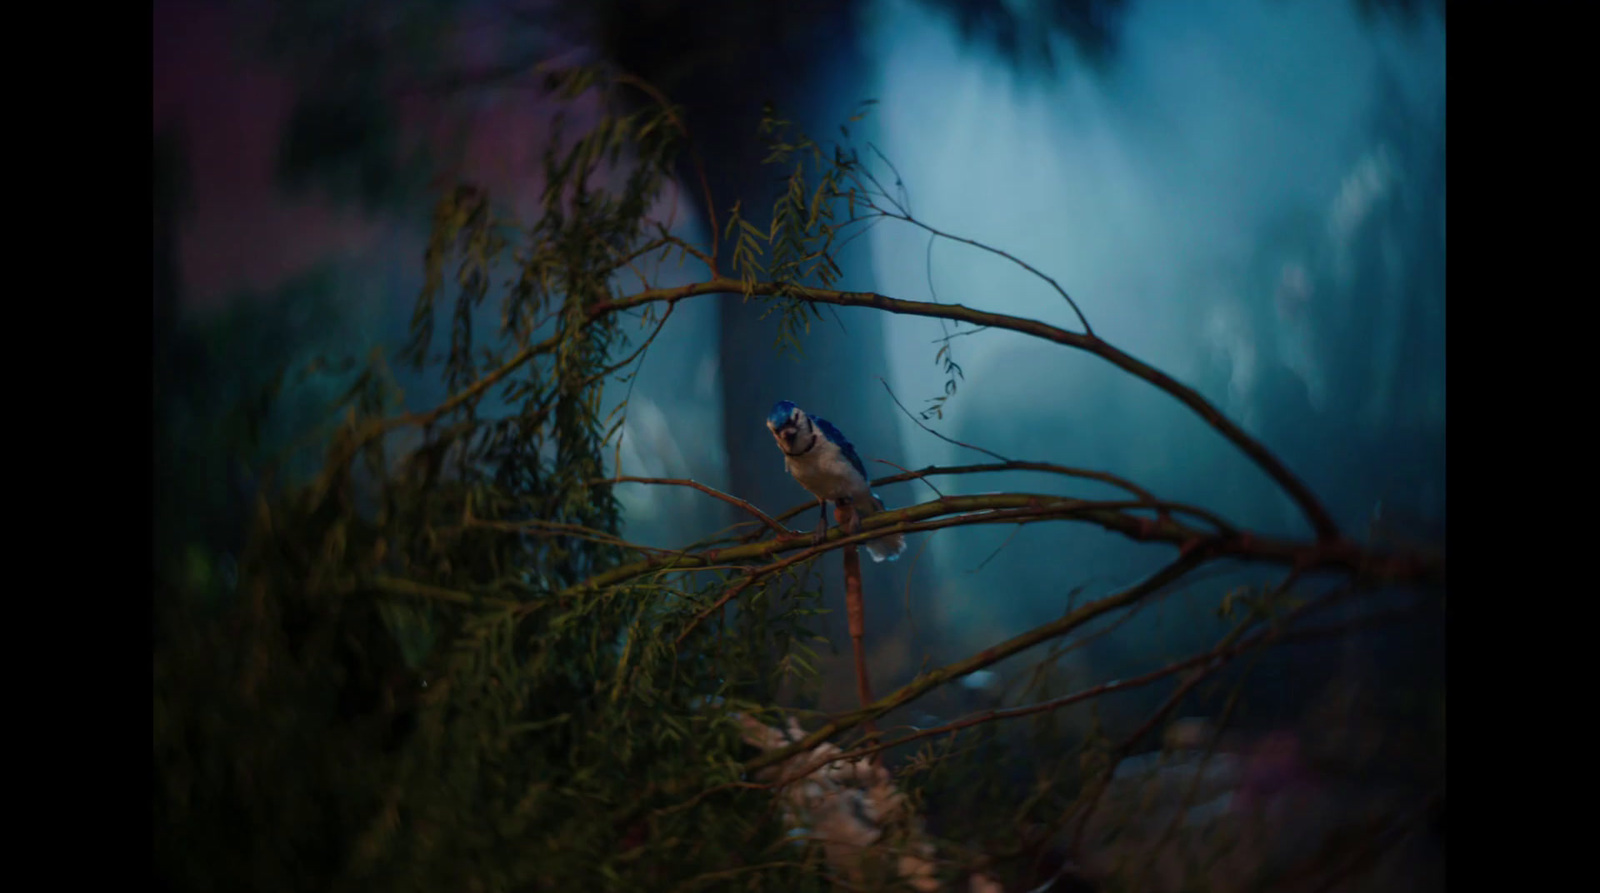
point(885, 548)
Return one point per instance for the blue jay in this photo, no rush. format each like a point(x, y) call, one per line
point(820, 457)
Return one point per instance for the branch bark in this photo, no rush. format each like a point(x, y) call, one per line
point(1036, 636)
point(855, 610)
point(1321, 521)
point(992, 508)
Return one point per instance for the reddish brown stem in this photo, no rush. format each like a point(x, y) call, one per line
point(855, 611)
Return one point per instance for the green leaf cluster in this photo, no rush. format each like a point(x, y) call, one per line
point(412, 690)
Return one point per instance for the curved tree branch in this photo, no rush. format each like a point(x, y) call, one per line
point(1008, 508)
point(712, 491)
point(1321, 521)
point(1271, 634)
point(1137, 491)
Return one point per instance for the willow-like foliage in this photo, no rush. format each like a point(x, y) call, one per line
point(442, 667)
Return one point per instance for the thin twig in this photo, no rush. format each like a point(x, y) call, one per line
point(532, 526)
point(901, 203)
point(936, 491)
point(944, 325)
point(694, 155)
point(755, 574)
point(997, 549)
point(1224, 653)
point(906, 217)
point(964, 332)
point(1386, 838)
point(1036, 636)
point(1000, 714)
point(711, 491)
point(924, 427)
point(867, 224)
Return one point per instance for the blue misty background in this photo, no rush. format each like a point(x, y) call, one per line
point(1251, 199)
point(1247, 194)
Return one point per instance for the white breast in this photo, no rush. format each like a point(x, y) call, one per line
point(825, 472)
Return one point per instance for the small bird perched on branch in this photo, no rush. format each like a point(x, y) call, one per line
point(820, 457)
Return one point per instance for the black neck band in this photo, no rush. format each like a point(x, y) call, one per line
point(804, 451)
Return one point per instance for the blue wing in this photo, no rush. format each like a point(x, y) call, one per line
point(837, 437)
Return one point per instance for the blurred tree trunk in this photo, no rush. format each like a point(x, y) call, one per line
point(809, 61)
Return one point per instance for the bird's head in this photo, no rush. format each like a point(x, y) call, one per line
point(788, 423)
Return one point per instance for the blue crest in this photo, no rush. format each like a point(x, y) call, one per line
point(780, 413)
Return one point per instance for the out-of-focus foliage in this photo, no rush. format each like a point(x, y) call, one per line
point(410, 689)
point(354, 65)
point(442, 668)
point(346, 144)
point(234, 392)
point(1022, 33)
